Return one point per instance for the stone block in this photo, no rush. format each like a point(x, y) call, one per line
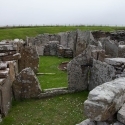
point(105, 100)
point(121, 114)
point(3, 65)
point(110, 47)
point(121, 51)
point(84, 38)
point(100, 72)
point(4, 73)
point(7, 47)
point(26, 85)
point(87, 122)
point(11, 57)
point(115, 61)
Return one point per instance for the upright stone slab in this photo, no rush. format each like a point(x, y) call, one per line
point(105, 100)
point(29, 58)
point(26, 85)
point(110, 47)
point(78, 71)
point(121, 114)
point(100, 73)
point(64, 39)
point(72, 38)
point(53, 47)
point(5, 95)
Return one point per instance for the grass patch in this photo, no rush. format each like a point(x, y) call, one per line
point(22, 32)
point(49, 64)
point(60, 110)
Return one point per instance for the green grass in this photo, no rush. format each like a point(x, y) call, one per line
point(60, 110)
point(22, 32)
point(49, 64)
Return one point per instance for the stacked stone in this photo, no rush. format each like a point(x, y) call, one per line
point(64, 52)
point(50, 49)
point(118, 35)
point(8, 70)
point(104, 102)
point(118, 64)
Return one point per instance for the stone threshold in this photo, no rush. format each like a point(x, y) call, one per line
point(54, 92)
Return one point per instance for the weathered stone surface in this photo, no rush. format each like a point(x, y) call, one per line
point(118, 123)
point(110, 47)
point(115, 61)
point(4, 73)
point(26, 85)
point(5, 95)
point(100, 73)
point(51, 48)
point(64, 52)
point(40, 50)
point(91, 122)
point(3, 65)
point(98, 55)
point(121, 51)
point(78, 71)
point(12, 71)
point(121, 114)
point(87, 122)
point(84, 38)
point(29, 58)
point(72, 38)
point(64, 39)
point(105, 100)
point(7, 47)
point(11, 57)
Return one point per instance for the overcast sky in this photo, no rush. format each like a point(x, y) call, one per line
point(62, 12)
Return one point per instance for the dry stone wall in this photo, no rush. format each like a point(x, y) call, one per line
point(8, 69)
point(104, 102)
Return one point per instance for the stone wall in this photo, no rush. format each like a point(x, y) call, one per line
point(78, 41)
point(104, 102)
point(8, 70)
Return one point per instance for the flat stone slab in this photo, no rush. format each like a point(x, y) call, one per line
point(121, 114)
point(115, 61)
point(4, 73)
point(105, 100)
point(11, 57)
point(3, 65)
point(7, 47)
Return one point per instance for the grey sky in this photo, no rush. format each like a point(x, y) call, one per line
point(61, 12)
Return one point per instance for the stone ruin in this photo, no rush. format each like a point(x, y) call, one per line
point(98, 65)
